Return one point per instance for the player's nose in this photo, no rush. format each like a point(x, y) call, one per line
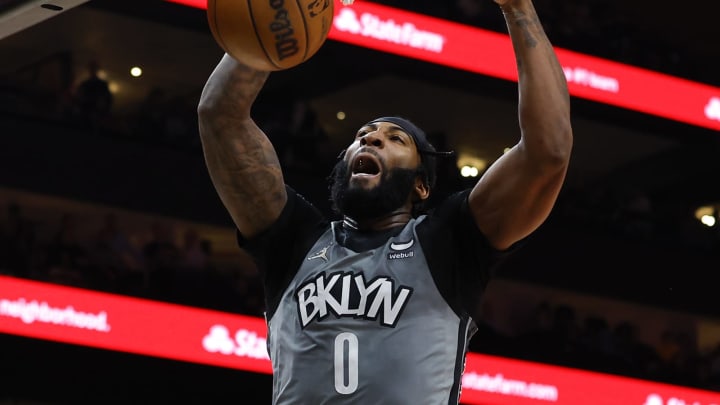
point(372, 139)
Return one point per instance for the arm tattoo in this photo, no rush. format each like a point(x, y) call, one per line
point(527, 25)
point(245, 86)
point(241, 159)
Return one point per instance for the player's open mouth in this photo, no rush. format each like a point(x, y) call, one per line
point(365, 165)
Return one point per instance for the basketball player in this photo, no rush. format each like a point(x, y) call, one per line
point(378, 308)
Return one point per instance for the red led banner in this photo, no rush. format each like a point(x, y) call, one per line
point(114, 322)
point(489, 53)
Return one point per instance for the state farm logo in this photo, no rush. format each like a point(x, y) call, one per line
point(655, 399)
point(712, 110)
point(245, 343)
point(372, 26)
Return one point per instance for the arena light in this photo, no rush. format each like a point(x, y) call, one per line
point(470, 166)
point(114, 322)
point(706, 215)
point(708, 220)
point(469, 171)
point(447, 43)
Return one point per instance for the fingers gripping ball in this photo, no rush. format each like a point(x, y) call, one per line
point(270, 34)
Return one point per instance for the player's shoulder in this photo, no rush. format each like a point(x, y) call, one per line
point(453, 206)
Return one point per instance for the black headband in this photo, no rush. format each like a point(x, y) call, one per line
point(421, 142)
point(425, 149)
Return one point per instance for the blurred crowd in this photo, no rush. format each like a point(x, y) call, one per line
point(157, 263)
point(634, 214)
point(556, 334)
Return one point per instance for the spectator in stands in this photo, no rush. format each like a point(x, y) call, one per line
point(194, 253)
point(631, 355)
point(117, 261)
point(162, 258)
point(713, 377)
point(17, 242)
point(92, 99)
point(595, 344)
point(151, 116)
point(67, 256)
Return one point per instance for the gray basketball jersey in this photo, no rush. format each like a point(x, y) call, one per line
point(366, 328)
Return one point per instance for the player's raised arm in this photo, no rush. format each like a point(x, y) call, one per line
point(241, 160)
point(518, 191)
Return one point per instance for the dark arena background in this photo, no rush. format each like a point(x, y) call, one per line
point(120, 278)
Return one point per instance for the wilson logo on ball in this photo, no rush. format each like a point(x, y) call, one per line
point(270, 34)
point(286, 44)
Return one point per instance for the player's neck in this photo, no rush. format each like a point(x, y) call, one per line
point(393, 219)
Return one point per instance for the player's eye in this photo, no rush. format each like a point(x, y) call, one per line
point(397, 138)
point(361, 133)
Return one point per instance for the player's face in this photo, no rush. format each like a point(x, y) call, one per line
point(377, 149)
point(378, 173)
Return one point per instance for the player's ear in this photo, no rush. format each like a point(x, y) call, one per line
point(422, 191)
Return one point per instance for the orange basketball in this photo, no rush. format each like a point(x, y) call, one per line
point(270, 34)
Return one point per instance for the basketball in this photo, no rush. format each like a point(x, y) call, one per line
point(270, 34)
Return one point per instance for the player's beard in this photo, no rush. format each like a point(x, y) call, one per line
point(359, 203)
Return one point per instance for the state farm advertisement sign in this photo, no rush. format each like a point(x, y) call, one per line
point(473, 49)
point(443, 42)
point(114, 322)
